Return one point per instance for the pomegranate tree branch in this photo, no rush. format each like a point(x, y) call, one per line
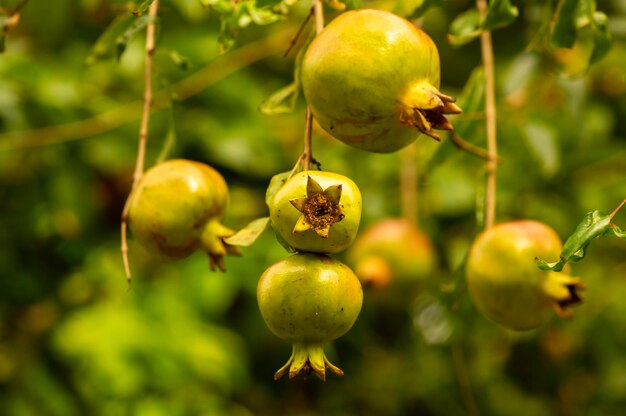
point(307, 155)
point(143, 131)
point(490, 119)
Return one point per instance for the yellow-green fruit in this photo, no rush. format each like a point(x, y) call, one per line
point(505, 283)
point(309, 300)
point(317, 212)
point(371, 79)
point(177, 208)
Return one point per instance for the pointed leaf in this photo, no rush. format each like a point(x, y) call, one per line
point(465, 28)
point(122, 40)
point(601, 36)
point(282, 101)
point(500, 13)
point(276, 183)
point(564, 30)
point(595, 224)
point(249, 234)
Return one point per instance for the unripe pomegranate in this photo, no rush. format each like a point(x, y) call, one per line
point(371, 78)
point(317, 212)
point(393, 251)
point(309, 300)
point(505, 283)
point(177, 208)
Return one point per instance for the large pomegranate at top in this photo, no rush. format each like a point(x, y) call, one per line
point(505, 283)
point(371, 79)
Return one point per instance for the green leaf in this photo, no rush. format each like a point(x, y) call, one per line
point(595, 224)
point(249, 234)
point(285, 99)
point(469, 25)
point(282, 101)
point(143, 7)
point(542, 140)
point(465, 28)
point(501, 13)
point(170, 138)
point(601, 36)
point(414, 9)
point(276, 183)
point(122, 40)
point(113, 42)
point(564, 30)
point(106, 44)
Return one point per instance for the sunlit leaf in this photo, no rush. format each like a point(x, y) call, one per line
point(595, 224)
point(564, 30)
point(249, 234)
point(465, 28)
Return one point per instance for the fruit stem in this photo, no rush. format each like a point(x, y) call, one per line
point(490, 119)
point(616, 210)
point(143, 133)
point(307, 154)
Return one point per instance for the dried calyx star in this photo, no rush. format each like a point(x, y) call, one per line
point(320, 208)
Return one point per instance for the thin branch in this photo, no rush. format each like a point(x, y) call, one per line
point(490, 119)
point(458, 357)
point(307, 154)
point(18, 7)
point(616, 210)
point(302, 26)
point(409, 183)
point(188, 87)
point(468, 147)
point(143, 132)
point(308, 129)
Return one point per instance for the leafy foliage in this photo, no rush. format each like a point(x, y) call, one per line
point(595, 224)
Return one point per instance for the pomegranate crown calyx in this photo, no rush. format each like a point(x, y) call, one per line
point(320, 208)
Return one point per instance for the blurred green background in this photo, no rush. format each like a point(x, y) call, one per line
point(188, 341)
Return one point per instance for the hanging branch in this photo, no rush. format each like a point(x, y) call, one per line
point(490, 119)
point(307, 154)
point(143, 132)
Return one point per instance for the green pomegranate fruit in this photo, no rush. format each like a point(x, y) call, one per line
point(309, 300)
point(506, 285)
point(177, 208)
point(371, 79)
point(393, 251)
point(317, 212)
